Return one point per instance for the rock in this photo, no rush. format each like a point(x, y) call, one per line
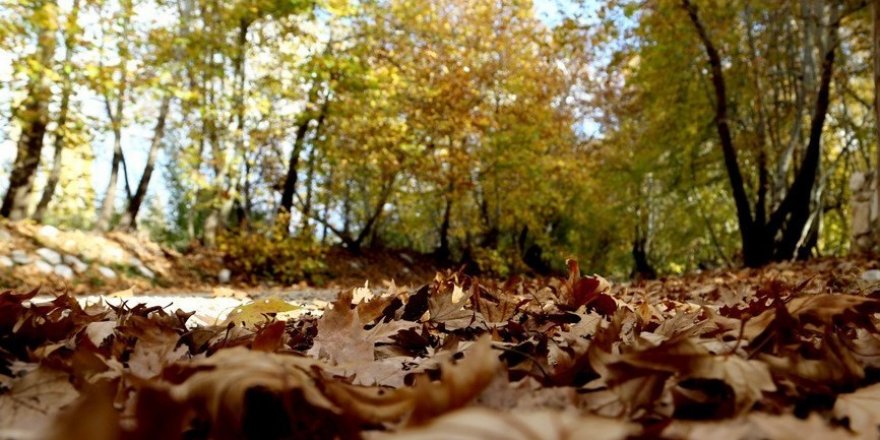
point(106, 272)
point(871, 275)
point(78, 265)
point(224, 276)
point(20, 257)
point(145, 271)
point(6, 261)
point(43, 267)
point(51, 257)
point(5, 235)
point(63, 271)
point(47, 231)
point(112, 254)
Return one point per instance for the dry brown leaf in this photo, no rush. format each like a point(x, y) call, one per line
point(155, 348)
point(99, 331)
point(219, 385)
point(342, 339)
point(862, 408)
point(483, 423)
point(459, 384)
point(757, 426)
point(442, 309)
point(33, 400)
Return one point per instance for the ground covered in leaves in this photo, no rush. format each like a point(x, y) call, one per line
point(791, 351)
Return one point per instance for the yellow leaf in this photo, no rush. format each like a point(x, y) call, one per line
point(256, 312)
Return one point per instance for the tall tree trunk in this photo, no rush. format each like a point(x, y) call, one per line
point(443, 251)
point(34, 117)
point(129, 219)
point(876, 10)
point(753, 254)
point(759, 238)
point(115, 112)
point(289, 189)
point(794, 212)
point(64, 107)
point(105, 216)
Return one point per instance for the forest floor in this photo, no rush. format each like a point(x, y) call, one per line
point(790, 351)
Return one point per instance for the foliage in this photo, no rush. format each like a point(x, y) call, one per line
point(481, 132)
point(273, 254)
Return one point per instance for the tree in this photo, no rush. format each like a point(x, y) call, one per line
point(781, 233)
point(33, 114)
point(66, 68)
point(115, 95)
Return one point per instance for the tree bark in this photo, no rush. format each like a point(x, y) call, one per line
point(753, 254)
point(302, 130)
point(876, 14)
point(759, 237)
point(129, 219)
point(442, 253)
point(63, 110)
point(794, 211)
point(105, 215)
point(34, 117)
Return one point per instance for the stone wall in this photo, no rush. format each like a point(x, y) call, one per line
point(865, 210)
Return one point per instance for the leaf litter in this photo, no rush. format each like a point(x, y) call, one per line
point(792, 351)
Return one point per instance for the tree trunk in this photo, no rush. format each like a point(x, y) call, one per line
point(289, 189)
point(794, 212)
point(116, 115)
point(129, 219)
point(64, 108)
point(290, 180)
point(753, 254)
point(34, 117)
point(442, 253)
point(876, 10)
point(108, 204)
point(759, 237)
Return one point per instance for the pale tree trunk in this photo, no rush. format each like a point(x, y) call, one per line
point(64, 107)
point(876, 199)
point(105, 215)
point(116, 116)
point(129, 219)
point(34, 116)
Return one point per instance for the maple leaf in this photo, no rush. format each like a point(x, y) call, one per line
point(341, 336)
point(758, 426)
point(99, 331)
point(155, 347)
point(483, 423)
point(458, 384)
point(231, 388)
point(443, 309)
point(259, 311)
point(33, 400)
point(688, 359)
point(91, 417)
point(862, 408)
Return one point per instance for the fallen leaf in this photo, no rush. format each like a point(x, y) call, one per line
point(259, 311)
point(33, 400)
point(862, 408)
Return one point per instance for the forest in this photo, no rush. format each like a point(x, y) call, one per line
point(434, 219)
point(643, 138)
